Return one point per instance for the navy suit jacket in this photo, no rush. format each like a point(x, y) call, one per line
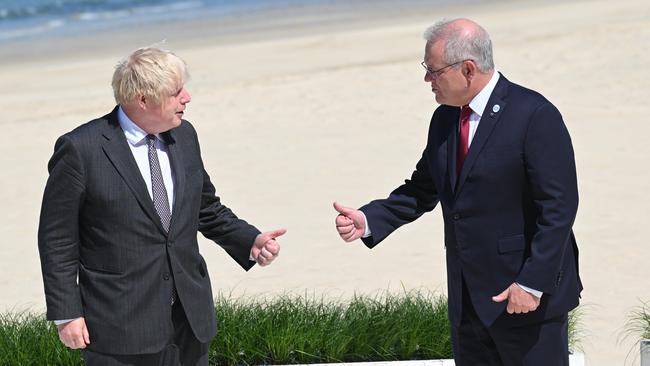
point(509, 213)
point(104, 253)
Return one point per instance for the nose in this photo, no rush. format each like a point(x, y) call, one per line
point(185, 96)
point(427, 77)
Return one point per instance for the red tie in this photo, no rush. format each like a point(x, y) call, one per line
point(463, 138)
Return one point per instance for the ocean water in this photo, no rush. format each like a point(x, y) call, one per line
point(38, 19)
point(25, 19)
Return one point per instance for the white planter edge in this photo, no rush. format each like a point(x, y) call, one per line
point(644, 349)
point(575, 359)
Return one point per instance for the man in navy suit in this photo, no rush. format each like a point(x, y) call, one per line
point(499, 159)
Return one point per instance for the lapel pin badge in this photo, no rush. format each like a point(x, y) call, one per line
point(495, 109)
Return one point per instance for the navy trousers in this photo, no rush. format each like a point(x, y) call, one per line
point(537, 344)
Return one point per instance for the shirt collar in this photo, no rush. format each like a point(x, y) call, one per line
point(134, 134)
point(481, 99)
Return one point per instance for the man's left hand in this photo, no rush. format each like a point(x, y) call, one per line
point(266, 248)
point(519, 300)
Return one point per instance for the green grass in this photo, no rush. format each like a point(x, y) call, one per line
point(637, 328)
point(638, 322)
point(308, 329)
point(28, 339)
point(576, 329)
point(282, 330)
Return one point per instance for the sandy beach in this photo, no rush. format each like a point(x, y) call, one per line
point(292, 119)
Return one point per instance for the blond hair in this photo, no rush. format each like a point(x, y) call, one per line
point(150, 72)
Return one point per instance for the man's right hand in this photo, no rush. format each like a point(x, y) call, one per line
point(350, 223)
point(74, 334)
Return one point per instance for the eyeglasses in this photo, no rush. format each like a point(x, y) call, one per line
point(436, 73)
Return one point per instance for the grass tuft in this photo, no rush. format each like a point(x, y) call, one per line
point(637, 328)
point(576, 329)
point(638, 323)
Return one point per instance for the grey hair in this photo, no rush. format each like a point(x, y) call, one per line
point(462, 43)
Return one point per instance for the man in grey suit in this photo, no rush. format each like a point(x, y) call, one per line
point(126, 196)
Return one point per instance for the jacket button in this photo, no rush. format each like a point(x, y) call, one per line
point(166, 276)
point(456, 216)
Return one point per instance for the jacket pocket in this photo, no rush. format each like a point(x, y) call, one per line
point(100, 268)
point(512, 244)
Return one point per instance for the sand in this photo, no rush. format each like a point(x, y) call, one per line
point(291, 121)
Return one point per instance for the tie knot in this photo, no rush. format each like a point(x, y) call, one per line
point(465, 112)
point(151, 140)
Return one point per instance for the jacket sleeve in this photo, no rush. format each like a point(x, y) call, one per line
point(219, 224)
point(551, 172)
point(405, 204)
point(58, 231)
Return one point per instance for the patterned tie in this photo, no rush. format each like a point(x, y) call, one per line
point(463, 138)
point(160, 199)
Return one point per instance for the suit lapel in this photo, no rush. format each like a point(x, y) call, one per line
point(491, 115)
point(176, 160)
point(119, 153)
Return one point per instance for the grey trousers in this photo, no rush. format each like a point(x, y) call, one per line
point(183, 350)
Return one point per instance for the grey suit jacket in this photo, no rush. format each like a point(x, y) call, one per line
point(104, 253)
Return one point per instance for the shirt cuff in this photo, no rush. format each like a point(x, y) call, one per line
point(367, 233)
point(64, 321)
point(536, 293)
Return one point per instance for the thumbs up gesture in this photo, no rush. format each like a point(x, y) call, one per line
point(265, 248)
point(350, 223)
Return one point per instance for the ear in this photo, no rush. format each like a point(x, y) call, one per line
point(469, 70)
point(142, 101)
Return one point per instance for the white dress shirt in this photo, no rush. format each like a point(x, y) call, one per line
point(137, 139)
point(477, 104)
